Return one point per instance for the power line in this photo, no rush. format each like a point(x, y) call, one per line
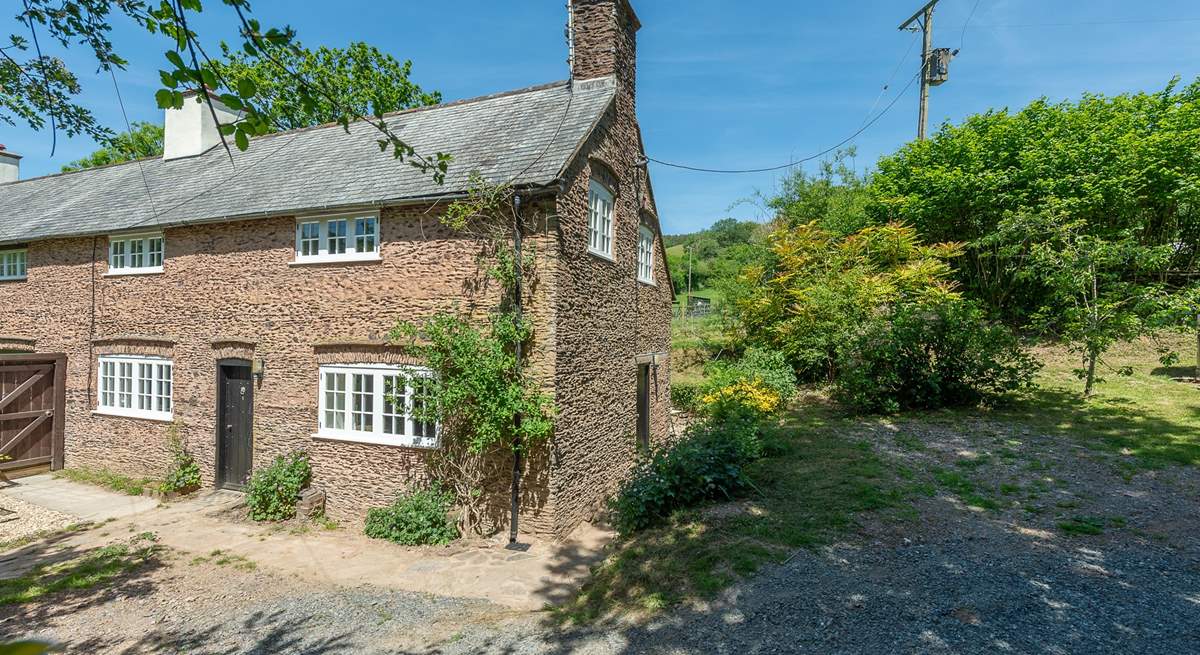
point(129, 131)
point(223, 182)
point(797, 161)
point(1135, 21)
point(887, 85)
point(963, 37)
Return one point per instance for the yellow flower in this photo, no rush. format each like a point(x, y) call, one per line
point(753, 394)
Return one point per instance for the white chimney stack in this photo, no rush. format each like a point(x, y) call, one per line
point(190, 130)
point(10, 166)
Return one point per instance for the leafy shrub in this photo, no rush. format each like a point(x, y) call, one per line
point(417, 518)
point(707, 464)
point(760, 383)
point(816, 286)
point(274, 489)
point(184, 475)
point(685, 396)
point(930, 355)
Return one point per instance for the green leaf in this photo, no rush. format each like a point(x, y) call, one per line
point(168, 79)
point(174, 58)
point(247, 88)
point(243, 141)
point(231, 101)
point(164, 98)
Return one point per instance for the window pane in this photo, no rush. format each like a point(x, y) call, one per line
point(335, 401)
point(137, 253)
point(125, 385)
point(116, 256)
point(145, 382)
point(310, 239)
point(393, 404)
point(363, 407)
point(163, 392)
point(156, 252)
point(364, 234)
point(107, 384)
point(420, 428)
point(337, 237)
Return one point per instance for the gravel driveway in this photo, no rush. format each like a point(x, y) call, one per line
point(946, 578)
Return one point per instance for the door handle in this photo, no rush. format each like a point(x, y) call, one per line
point(228, 427)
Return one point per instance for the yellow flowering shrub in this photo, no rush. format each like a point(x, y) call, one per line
point(751, 394)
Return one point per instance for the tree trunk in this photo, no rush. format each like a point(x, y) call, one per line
point(1091, 373)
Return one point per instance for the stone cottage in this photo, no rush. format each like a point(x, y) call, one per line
point(245, 305)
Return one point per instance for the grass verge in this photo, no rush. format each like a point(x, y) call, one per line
point(108, 479)
point(811, 488)
point(84, 572)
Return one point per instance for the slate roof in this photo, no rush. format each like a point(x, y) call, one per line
point(538, 129)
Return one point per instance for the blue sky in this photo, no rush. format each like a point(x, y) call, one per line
point(721, 84)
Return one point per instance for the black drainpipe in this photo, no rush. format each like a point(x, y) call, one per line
point(518, 274)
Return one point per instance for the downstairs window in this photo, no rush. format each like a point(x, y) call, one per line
point(374, 404)
point(137, 387)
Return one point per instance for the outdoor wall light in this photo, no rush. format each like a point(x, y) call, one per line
point(259, 369)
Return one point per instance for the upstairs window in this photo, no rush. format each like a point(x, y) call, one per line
point(645, 255)
point(13, 264)
point(137, 387)
point(374, 404)
point(600, 220)
point(128, 255)
point(337, 238)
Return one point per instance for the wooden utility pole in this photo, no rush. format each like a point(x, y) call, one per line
point(924, 19)
point(687, 298)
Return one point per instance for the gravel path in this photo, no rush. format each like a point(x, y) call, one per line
point(31, 519)
point(950, 578)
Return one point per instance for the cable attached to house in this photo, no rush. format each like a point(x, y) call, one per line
point(768, 169)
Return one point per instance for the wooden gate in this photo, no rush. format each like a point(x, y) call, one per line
point(32, 407)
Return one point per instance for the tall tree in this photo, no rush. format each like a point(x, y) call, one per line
point(1127, 164)
point(145, 140)
point(365, 81)
point(42, 91)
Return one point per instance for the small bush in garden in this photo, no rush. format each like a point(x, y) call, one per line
point(685, 396)
point(184, 475)
point(931, 355)
point(707, 464)
point(417, 518)
point(761, 382)
point(274, 489)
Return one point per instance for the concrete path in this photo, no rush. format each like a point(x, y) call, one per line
point(543, 573)
point(81, 500)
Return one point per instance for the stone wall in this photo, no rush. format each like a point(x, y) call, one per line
point(231, 290)
point(606, 317)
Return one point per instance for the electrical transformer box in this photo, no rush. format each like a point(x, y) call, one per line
point(939, 66)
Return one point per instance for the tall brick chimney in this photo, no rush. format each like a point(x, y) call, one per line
point(602, 35)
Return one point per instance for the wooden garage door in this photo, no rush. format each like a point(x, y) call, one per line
point(32, 399)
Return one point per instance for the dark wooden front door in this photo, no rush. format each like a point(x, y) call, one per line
point(643, 406)
point(235, 418)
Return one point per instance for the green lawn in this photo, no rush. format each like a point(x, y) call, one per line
point(820, 477)
point(1148, 414)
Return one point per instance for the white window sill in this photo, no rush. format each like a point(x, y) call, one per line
point(159, 417)
point(336, 259)
point(121, 272)
point(395, 441)
point(601, 255)
point(649, 283)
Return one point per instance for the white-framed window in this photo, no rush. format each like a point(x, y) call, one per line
point(600, 220)
point(337, 238)
point(135, 386)
point(645, 255)
point(140, 253)
point(13, 264)
point(374, 403)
